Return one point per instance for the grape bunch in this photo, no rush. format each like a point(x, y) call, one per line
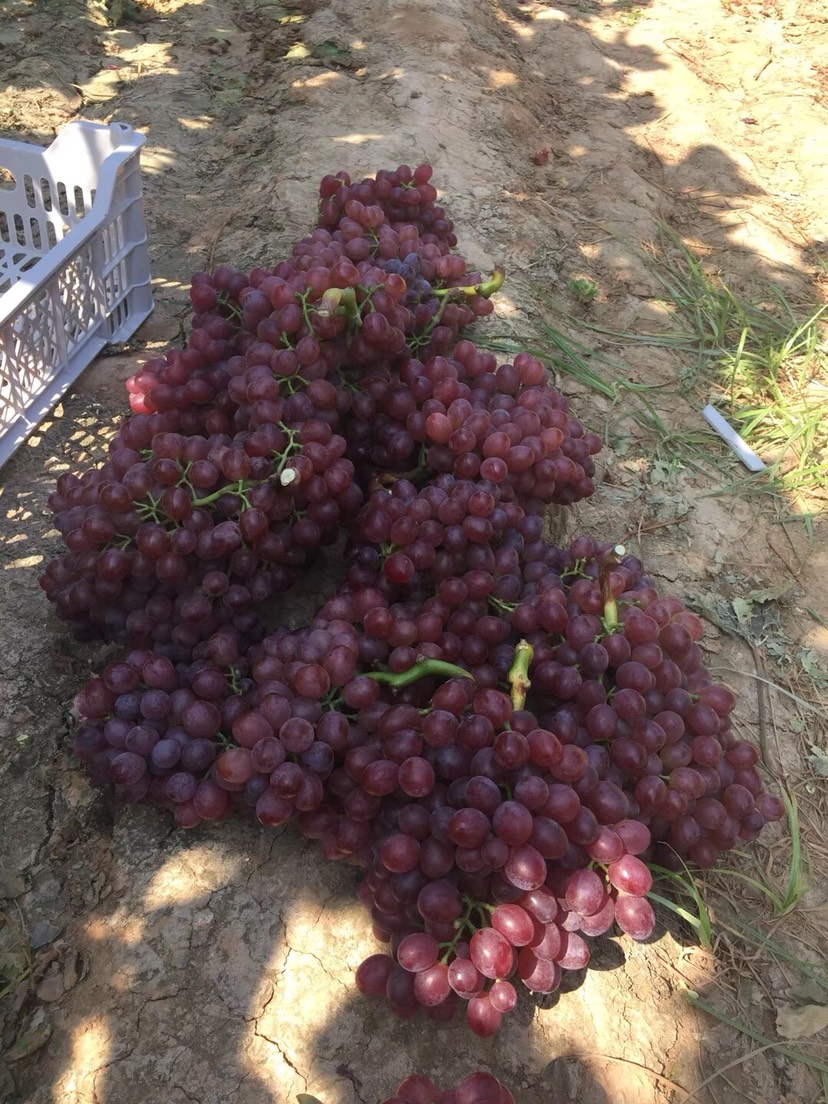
point(464, 415)
point(497, 829)
point(476, 1088)
point(365, 288)
point(405, 196)
point(493, 866)
point(503, 735)
point(194, 529)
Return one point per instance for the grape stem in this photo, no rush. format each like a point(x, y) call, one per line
point(487, 288)
point(414, 475)
point(423, 669)
point(519, 674)
point(425, 336)
point(237, 488)
point(149, 509)
point(506, 607)
point(610, 559)
point(340, 301)
point(242, 485)
point(284, 456)
point(463, 924)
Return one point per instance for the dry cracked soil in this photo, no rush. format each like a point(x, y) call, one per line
point(139, 963)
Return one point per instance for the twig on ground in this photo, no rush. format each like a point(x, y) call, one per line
point(629, 1062)
point(641, 527)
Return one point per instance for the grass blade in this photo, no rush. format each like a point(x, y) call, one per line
point(757, 1036)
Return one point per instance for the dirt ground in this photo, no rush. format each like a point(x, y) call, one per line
point(138, 963)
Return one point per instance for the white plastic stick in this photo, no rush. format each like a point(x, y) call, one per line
point(728, 434)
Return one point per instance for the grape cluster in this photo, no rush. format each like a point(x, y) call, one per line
point(502, 734)
point(372, 285)
point(490, 763)
point(469, 417)
point(405, 197)
point(477, 1088)
point(195, 530)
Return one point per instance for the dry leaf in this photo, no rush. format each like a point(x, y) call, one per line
point(32, 1039)
point(801, 1023)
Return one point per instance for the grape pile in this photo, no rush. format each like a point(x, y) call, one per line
point(477, 1088)
point(503, 735)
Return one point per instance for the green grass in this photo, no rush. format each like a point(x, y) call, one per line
point(687, 901)
point(16, 962)
point(772, 1044)
point(686, 887)
point(781, 902)
point(571, 357)
point(766, 365)
point(582, 288)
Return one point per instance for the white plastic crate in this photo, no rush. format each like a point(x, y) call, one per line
point(74, 268)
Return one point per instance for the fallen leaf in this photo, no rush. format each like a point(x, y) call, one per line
point(117, 11)
point(770, 594)
point(809, 989)
point(32, 1039)
point(331, 51)
point(74, 970)
point(43, 933)
point(11, 884)
point(7, 1085)
point(229, 96)
point(51, 988)
point(743, 610)
point(299, 50)
point(801, 1023)
point(818, 761)
point(13, 964)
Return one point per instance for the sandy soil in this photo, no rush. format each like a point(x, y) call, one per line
point(141, 963)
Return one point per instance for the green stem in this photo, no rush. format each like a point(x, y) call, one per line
point(465, 925)
point(333, 700)
point(340, 301)
point(291, 435)
point(293, 383)
point(388, 479)
point(149, 509)
point(303, 302)
point(423, 669)
point(519, 674)
point(462, 923)
point(506, 607)
point(237, 488)
point(577, 570)
point(486, 288)
point(184, 481)
point(610, 560)
point(424, 337)
point(494, 283)
point(223, 300)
